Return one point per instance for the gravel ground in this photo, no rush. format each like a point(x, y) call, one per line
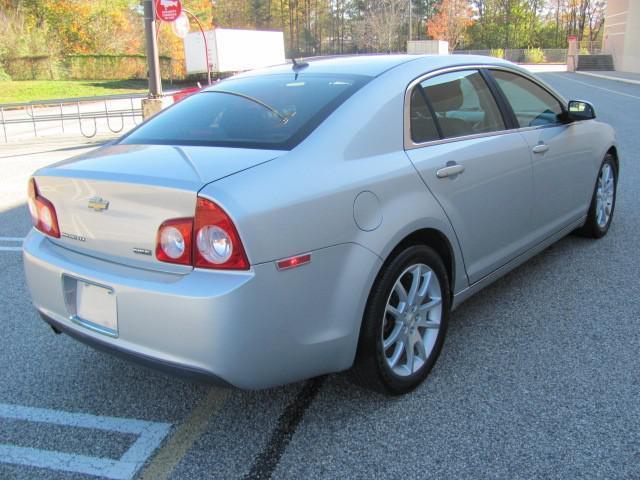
point(539, 376)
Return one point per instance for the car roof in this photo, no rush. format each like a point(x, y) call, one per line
point(374, 65)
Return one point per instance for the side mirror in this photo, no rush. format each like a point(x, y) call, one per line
point(580, 110)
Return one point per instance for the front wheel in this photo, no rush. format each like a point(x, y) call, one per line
point(405, 322)
point(603, 201)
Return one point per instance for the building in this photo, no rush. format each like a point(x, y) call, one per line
point(622, 34)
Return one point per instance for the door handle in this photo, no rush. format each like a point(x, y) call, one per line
point(540, 148)
point(450, 170)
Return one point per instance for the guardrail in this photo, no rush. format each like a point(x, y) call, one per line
point(82, 110)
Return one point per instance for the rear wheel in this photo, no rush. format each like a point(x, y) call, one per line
point(603, 201)
point(405, 322)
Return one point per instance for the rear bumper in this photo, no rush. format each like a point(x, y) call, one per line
point(252, 329)
point(183, 371)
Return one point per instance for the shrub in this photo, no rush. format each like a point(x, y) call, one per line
point(89, 67)
point(4, 76)
point(497, 52)
point(534, 55)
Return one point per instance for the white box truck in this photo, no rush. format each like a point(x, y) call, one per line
point(232, 50)
point(428, 47)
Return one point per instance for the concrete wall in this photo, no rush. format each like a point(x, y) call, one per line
point(622, 34)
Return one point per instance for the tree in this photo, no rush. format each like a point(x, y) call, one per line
point(451, 22)
point(379, 26)
point(595, 15)
point(310, 27)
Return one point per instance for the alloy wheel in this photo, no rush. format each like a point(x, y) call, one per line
point(412, 320)
point(605, 193)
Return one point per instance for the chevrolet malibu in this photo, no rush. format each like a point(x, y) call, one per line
point(315, 217)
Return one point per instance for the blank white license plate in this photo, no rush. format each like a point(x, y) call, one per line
point(96, 307)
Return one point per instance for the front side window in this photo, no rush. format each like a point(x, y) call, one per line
point(532, 104)
point(463, 104)
point(270, 111)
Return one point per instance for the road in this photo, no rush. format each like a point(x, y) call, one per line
point(539, 377)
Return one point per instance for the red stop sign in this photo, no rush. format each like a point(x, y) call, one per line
point(168, 10)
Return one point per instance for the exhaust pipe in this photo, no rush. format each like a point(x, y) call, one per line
point(50, 322)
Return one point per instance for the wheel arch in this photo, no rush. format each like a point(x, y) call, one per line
point(613, 150)
point(435, 239)
point(431, 237)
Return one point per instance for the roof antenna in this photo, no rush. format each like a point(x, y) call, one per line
point(298, 65)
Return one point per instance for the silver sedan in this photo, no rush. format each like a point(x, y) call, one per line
point(315, 217)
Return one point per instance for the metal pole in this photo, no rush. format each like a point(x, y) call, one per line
point(4, 127)
point(33, 119)
point(155, 84)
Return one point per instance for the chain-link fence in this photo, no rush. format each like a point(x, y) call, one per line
point(523, 55)
point(536, 55)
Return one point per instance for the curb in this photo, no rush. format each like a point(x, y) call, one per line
point(609, 77)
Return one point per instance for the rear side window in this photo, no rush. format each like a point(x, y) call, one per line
point(532, 104)
point(423, 126)
point(463, 104)
point(270, 111)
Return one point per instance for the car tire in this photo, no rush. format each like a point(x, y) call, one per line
point(404, 323)
point(603, 201)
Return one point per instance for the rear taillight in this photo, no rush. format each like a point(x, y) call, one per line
point(209, 240)
point(173, 243)
point(218, 244)
point(43, 213)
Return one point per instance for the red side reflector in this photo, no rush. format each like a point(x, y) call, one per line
point(293, 262)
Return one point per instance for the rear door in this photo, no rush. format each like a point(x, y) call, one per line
point(478, 169)
point(561, 158)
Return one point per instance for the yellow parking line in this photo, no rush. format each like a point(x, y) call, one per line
point(168, 457)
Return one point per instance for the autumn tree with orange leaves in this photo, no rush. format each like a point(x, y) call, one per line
point(451, 22)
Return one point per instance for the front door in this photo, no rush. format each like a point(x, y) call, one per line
point(478, 171)
point(561, 159)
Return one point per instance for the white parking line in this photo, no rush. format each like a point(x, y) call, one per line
point(150, 436)
point(10, 240)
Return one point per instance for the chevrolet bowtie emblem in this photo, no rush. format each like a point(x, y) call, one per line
point(98, 204)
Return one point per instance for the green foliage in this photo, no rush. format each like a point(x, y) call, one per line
point(60, 29)
point(88, 67)
point(4, 76)
point(521, 24)
point(506, 25)
point(497, 52)
point(534, 55)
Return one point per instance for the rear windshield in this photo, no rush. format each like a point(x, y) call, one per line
point(270, 112)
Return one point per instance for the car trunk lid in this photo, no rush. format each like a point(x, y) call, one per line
point(111, 202)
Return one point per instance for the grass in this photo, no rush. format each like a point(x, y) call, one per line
point(29, 90)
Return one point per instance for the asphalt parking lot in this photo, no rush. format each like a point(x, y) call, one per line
point(539, 376)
